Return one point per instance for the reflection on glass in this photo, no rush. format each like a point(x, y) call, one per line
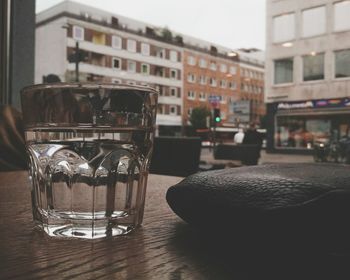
point(313, 67)
point(284, 71)
point(342, 64)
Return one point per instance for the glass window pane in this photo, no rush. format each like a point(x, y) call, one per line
point(342, 64)
point(314, 21)
point(284, 28)
point(131, 45)
point(341, 16)
point(313, 67)
point(284, 71)
point(173, 56)
point(116, 42)
point(145, 49)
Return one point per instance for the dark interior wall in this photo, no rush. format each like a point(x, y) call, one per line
point(22, 38)
point(4, 49)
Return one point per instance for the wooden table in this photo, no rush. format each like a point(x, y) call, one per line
point(164, 248)
point(160, 249)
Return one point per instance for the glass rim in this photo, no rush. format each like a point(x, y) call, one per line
point(88, 85)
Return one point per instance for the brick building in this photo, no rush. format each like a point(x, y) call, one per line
point(208, 77)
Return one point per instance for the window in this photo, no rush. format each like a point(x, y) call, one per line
point(232, 85)
point(283, 71)
point(284, 28)
point(313, 67)
point(223, 83)
point(173, 92)
point(131, 45)
point(233, 70)
point(160, 52)
point(213, 66)
point(173, 56)
point(342, 63)
point(341, 16)
point(202, 63)
point(212, 82)
point(159, 71)
point(131, 66)
point(173, 74)
point(173, 110)
point(203, 80)
point(145, 68)
point(314, 21)
point(301, 131)
point(191, 78)
point(223, 68)
point(191, 60)
point(145, 50)
point(99, 38)
point(78, 33)
point(116, 42)
point(116, 63)
point(222, 99)
point(191, 95)
point(202, 96)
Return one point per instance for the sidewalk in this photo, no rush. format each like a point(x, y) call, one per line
point(207, 156)
point(283, 158)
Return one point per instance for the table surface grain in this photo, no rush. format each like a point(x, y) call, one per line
point(160, 249)
point(163, 248)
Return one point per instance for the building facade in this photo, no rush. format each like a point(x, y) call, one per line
point(210, 81)
point(307, 72)
point(187, 72)
point(116, 49)
point(251, 106)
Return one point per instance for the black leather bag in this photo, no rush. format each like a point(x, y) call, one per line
point(273, 206)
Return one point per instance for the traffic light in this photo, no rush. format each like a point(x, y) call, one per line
point(82, 56)
point(217, 116)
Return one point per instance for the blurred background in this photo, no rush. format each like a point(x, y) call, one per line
point(220, 67)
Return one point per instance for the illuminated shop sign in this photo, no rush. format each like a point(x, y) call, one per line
point(315, 104)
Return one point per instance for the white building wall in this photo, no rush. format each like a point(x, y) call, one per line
point(326, 43)
point(50, 50)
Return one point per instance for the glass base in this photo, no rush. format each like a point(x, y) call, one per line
point(84, 232)
point(82, 227)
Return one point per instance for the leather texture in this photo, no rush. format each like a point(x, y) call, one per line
point(301, 203)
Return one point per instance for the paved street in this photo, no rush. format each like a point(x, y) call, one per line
point(208, 157)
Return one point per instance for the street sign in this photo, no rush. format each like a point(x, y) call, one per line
point(214, 99)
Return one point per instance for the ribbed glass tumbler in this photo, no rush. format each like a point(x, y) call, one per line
point(89, 147)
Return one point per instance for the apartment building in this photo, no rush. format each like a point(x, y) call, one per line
point(210, 81)
point(230, 80)
point(116, 49)
point(252, 70)
point(307, 72)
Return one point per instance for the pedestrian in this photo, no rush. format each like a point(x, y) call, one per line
point(239, 136)
point(254, 138)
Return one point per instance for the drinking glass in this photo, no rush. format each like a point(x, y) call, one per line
point(89, 147)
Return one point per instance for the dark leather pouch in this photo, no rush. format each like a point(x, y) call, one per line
point(273, 206)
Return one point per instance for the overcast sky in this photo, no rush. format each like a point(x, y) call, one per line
point(230, 23)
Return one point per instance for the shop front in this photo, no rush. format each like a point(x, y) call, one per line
point(297, 126)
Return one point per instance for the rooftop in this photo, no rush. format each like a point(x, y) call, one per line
point(87, 13)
